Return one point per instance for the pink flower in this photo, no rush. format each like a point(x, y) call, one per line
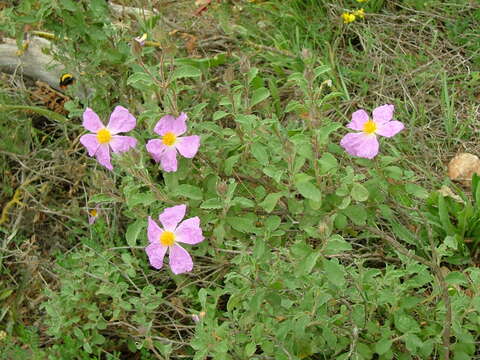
point(141, 39)
point(164, 150)
point(104, 138)
point(364, 143)
point(188, 232)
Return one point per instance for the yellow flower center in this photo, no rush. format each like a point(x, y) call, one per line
point(369, 127)
point(104, 136)
point(169, 138)
point(167, 238)
point(93, 213)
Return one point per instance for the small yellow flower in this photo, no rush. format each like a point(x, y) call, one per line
point(348, 17)
point(360, 13)
point(361, 1)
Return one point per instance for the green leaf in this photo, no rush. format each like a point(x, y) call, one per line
point(321, 70)
point(189, 191)
point(405, 323)
point(252, 73)
point(272, 222)
point(140, 81)
point(294, 105)
point(259, 95)
point(243, 202)
point(308, 190)
point(186, 71)
point(246, 120)
point(357, 214)
point(324, 132)
point(337, 244)
point(98, 198)
point(476, 188)
point(416, 190)
point(133, 230)
point(242, 223)
point(270, 201)
point(78, 333)
point(445, 216)
point(69, 5)
point(412, 342)
point(328, 163)
point(334, 271)
point(213, 203)
point(36, 109)
point(259, 248)
point(230, 163)
point(217, 115)
point(260, 153)
point(403, 233)
point(382, 346)
point(250, 349)
point(306, 266)
point(456, 278)
point(359, 192)
point(273, 172)
point(141, 198)
point(234, 301)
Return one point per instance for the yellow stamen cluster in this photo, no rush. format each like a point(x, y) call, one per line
point(169, 138)
point(348, 18)
point(93, 212)
point(369, 127)
point(167, 238)
point(104, 136)
point(359, 13)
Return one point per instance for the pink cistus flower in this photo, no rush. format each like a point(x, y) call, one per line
point(168, 238)
point(164, 150)
point(104, 137)
point(364, 144)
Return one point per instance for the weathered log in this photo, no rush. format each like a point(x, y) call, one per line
point(32, 62)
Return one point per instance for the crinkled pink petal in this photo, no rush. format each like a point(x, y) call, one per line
point(188, 146)
point(168, 159)
point(121, 120)
point(156, 253)
point(153, 231)
point(91, 121)
point(189, 231)
point(359, 118)
point(122, 143)
point(156, 147)
point(170, 217)
point(103, 156)
point(168, 123)
point(90, 142)
point(91, 219)
point(180, 260)
point(390, 128)
point(361, 145)
point(383, 113)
